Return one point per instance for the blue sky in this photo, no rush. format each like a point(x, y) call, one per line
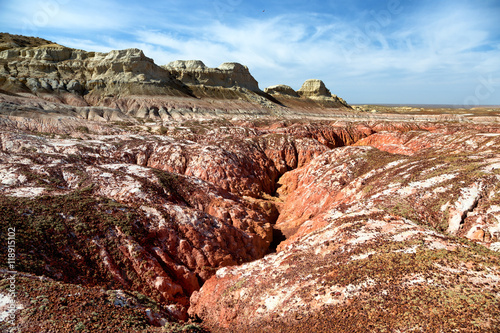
point(370, 51)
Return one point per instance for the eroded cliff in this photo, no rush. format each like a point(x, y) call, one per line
point(131, 83)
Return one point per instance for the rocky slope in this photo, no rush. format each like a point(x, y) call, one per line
point(8, 41)
point(371, 244)
point(132, 84)
point(356, 228)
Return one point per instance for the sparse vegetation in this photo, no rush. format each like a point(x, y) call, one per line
point(81, 309)
point(83, 129)
point(238, 285)
point(174, 327)
point(163, 130)
point(51, 225)
point(80, 326)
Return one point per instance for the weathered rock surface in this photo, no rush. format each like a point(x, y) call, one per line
point(311, 91)
point(90, 308)
point(131, 83)
point(366, 270)
point(282, 90)
point(369, 235)
point(149, 213)
point(314, 88)
point(227, 75)
point(9, 41)
point(167, 211)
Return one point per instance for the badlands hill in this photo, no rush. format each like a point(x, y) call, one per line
point(182, 198)
point(126, 83)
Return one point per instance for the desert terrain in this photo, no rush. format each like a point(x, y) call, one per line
point(183, 198)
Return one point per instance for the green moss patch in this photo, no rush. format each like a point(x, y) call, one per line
point(51, 306)
point(55, 234)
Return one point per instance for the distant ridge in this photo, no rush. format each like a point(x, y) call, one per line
point(427, 106)
point(131, 83)
point(8, 41)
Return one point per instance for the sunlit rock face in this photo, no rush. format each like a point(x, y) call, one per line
point(227, 75)
point(128, 84)
point(369, 235)
point(281, 89)
point(168, 232)
point(314, 88)
point(362, 215)
point(311, 91)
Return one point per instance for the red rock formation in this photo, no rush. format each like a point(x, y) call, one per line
point(406, 143)
point(121, 208)
point(360, 270)
point(192, 226)
point(368, 230)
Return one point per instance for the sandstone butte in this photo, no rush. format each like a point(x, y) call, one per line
point(182, 198)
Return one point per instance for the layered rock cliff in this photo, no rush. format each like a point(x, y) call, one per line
point(131, 83)
point(227, 75)
point(311, 90)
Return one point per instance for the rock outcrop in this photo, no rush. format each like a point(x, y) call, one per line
point(54, 68)
point(314, 88)
point(227, 75)
point(282, 90)
point(365, 270)
point(132, 83)
point(368, 235)
point(168, 232)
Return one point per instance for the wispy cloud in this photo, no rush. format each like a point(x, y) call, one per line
point(33, 16)
point(404, 49)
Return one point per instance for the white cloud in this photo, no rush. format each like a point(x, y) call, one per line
point(33, 16)
point(83, 44)
point(434, 54)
